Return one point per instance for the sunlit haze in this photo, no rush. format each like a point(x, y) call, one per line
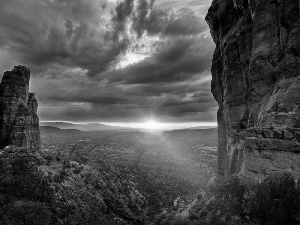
point(150, 125)
point(157, 126)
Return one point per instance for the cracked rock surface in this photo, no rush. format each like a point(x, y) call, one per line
point(256, 82)
point(19, 122)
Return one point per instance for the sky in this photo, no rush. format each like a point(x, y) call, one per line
point(112, 61)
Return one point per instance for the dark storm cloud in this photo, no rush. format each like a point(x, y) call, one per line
point(125, 11)
point(146, 17)
point(175, 88)
point(71, 47)
point(139, 19)
point(167, 82)
point(169, 102)
point(176, 60)
point(104, 100)
point(60, 32)
point(181, 22)
point(109, 96)
point(122, 11)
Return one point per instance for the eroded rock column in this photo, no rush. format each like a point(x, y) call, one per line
point(19, 122)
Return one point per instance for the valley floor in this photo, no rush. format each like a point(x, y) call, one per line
point(162, 167)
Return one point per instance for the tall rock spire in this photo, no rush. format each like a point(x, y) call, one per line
point(19, 122)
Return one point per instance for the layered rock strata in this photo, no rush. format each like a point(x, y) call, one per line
point(19, 122)
point(256, 82)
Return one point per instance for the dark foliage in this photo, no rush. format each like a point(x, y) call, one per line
point(85, 183)
point(161, 188)
point(29, 197)
point(25, 193)
point(274, 201)
point(27, 212)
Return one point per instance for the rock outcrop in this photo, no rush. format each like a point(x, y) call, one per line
point(19, 122)
point(256, 82)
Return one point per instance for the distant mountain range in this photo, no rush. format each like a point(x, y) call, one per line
point(83, 126)
point(102, 127)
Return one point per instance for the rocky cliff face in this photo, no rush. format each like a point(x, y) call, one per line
point(19, 123)
point(256, 81)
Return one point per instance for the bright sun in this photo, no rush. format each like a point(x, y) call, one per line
point(152, 125)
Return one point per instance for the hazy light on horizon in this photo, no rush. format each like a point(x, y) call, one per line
point(163, 126)
point(150, 125)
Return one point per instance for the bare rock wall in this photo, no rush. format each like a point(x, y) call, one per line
point(19, 122)
point(256, 82)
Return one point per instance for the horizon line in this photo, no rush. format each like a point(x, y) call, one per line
point(141, 125)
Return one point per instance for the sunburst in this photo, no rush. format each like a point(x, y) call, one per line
point(152, 125)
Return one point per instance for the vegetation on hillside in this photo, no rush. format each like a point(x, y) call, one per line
point(274, 201)
point(31, 194)
point(59, 190)
point(84, 183)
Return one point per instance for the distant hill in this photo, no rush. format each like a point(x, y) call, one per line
point(50, 134)
point(203, 128)
point(83, 126)
point(56, 130)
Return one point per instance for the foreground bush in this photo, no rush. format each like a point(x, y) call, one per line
point(273, 201)
point(28, 196)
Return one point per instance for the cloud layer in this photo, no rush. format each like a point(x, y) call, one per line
point(75, 50)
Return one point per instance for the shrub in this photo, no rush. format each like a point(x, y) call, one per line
point(26, 212)
point(21, 178)
point(180, 221)
point(26, 194)
point(273, 201)
point(229, 197)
